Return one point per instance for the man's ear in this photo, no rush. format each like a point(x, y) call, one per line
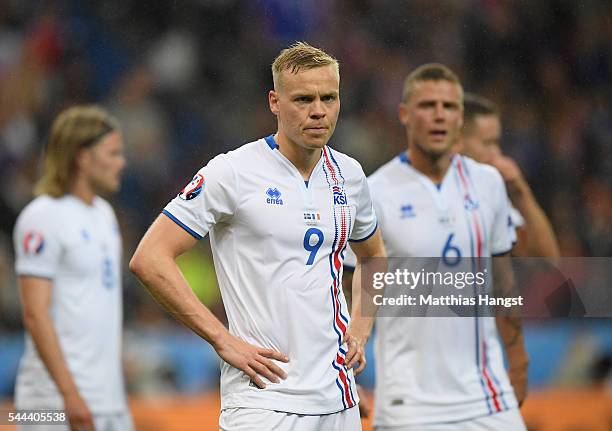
point(83, 159)
point(273, 101)
point(402, 114)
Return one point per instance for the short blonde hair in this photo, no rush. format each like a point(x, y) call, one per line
point(300, 56)
point(429, 72)
point(75, 128)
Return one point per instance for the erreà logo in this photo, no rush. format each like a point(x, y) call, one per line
point(339, 196)
point(273, 196)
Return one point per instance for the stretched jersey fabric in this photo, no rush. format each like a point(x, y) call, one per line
point(78, 247)
point(440, 369)
point(278, 246)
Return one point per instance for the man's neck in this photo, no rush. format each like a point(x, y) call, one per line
point(304, 159)
point(81, 190)
point(432, 167)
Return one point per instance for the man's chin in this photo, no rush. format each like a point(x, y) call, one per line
point(107, 190)
point(315, 143)
point(438, 149)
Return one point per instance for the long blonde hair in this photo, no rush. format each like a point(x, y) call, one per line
point(75, 128)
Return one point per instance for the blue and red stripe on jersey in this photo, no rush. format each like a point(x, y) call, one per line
point(477, 234)
point(335, 181)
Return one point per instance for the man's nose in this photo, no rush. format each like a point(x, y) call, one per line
point(439, 112)
point(317, 109)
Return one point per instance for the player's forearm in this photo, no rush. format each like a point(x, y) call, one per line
point(347, 286)
point(165, 282)
point(509, 321)
point(40, 327)
point(362, 318)
point(510, 330)
point(539, 237)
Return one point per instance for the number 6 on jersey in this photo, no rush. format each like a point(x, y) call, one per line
point(451, 254)
point(312, 248)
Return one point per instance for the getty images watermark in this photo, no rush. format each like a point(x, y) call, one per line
point(422, 279)
point(530, 287)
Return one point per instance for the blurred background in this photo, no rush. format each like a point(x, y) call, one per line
point(189, 78)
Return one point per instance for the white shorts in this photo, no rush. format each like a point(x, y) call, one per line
point(110, 422)
point(247, 419)
point(510, 420)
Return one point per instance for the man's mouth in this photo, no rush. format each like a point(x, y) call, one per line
point(438, 134)
point(316, 130)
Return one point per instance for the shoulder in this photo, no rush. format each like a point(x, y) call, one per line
point(481, 171)
point(42, 211)
point(104, 207)
point(42, 206)
point(236, 160)
point(385, 174)
point(243, 155)
point(347, 165)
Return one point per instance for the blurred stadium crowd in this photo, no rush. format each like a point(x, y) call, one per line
point(189, 78)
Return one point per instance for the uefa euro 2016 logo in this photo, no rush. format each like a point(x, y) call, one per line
point(33, 243)
point(193, 189)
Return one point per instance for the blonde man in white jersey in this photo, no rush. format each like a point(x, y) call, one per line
point(279, 211)
point(443, 373)
point(68, 250)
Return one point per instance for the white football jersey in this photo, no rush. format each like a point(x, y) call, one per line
point(278, 247)
point(440, 369)
point(78, 247)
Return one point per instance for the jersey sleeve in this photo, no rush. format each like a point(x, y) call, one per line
point(365, 218)
point(350, 260)
point(503, 233)
point(516, 217)
point(38, 248)
point(210, 198)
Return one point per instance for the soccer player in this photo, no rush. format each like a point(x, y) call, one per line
point(279, 211)
point(481, 141)
point(444, 373)
point(68, 262)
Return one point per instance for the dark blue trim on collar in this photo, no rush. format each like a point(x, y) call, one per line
point(404, 158)
point(306, 182)
point(271, 142)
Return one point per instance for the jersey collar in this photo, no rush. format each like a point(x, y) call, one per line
point(271, 142)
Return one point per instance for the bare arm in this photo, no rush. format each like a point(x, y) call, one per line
point(36, 299)
point(510, 328)
point(347, 285)
point(536, 238)
point(358, 333)
point(155, 266)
